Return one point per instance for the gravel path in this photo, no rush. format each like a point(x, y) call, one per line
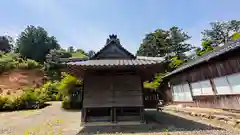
point(52, 120)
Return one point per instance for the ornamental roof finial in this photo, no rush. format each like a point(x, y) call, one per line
point(112, 38)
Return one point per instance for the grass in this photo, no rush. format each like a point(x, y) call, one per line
point(78, 55)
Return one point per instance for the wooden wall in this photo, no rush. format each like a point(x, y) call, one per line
point(112, 91)
point(221, 66)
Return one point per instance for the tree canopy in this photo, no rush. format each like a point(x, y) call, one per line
point(91, 53)
point(34, 43)
point(70, 49)
point(221, 32)
point(161, 43)
point(6, 43)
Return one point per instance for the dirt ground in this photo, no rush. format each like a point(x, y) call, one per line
point(14, 81)
point(52, 120)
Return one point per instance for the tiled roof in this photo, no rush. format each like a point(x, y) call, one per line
point(72, 59)
point(114, 62)
point(217, 52)
point(151, 58)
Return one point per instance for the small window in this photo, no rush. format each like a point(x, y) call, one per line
point(206, 88)
point(196, 89)
point(221, 85)
point(181, 93)
point(234, 81)
point(187, 91)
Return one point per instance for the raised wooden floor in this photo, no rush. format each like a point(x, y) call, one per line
point(111, 124)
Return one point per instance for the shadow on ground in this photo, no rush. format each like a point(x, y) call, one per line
point(157, 122)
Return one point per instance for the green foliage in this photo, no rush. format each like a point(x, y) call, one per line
point(221, 32)
point(236, 36)
point(6, 44)
point(70, 49)
point(79, 53)
point(156, 82)
point(34, 98)
point(51, 66)
point(175, 62)
point(91, 53)
point(66, 103)
point(34, 43)
point(29, 99)
point(67, 83)
point(10, 61)
point(28, 64)
point(206, 48)
point(164, 43)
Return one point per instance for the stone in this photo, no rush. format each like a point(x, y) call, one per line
point(231, 122)
point(221, 117)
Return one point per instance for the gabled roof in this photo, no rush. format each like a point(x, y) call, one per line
point(113, 50)
point(114, 55)
point(233, 45)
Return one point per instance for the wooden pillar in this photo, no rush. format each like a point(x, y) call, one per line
point(114, 115)
point(111, 113)
point(142, 114)
point(84, 114)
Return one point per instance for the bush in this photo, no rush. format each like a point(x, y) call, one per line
point(10, 61)
point(67, 83)
point(66, 103)
point(32, 64)
point(51, 92)
point(28, 64)
point(35, 98)
point(29, 99)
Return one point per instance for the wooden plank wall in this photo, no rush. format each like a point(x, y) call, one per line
point(212, 69)
point(97, 92)
point(112, 91)
point(221, 66)
point(127, 91)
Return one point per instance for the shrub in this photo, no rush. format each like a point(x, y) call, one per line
point(50, 90)
point(67, 83)
point(66, 103)
point(10, 61)
point(32, 64)
point(29, 99)
point(28, 64)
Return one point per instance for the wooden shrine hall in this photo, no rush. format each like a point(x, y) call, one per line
point(113, 84)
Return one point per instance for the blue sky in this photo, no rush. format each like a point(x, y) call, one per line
point(87, 23)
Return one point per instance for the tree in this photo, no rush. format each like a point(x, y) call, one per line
point(165, 43)
point(70, 49)
point(90, 53)
point(221, 32)
point(6, 43)
point(81, 51)
point(154, 44)
point(51, 66)
point(177, 40)
point(34, 43)
point(207, 46)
